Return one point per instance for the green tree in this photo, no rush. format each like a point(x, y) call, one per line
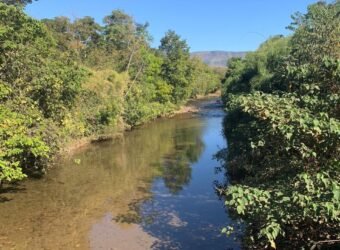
point(257, 71)
point(313, 67)
point(17, 2)
point(62, 31)
point(86, 30)
point(176, 69)
point(125, 37)
point(37, 87)
point(283, 153)
point(87, 36)
point(205, 80)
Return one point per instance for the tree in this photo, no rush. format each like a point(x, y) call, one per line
point(312, 68)
point(87, 36)
point(258, 70)
point(87, 30)
point(62, 31)
point(205, 79)
point(123, 35)
point(173, 46)
point(37, 87)
point(17, 2)
point(283, 152)
point(176, 68)
point(119, 30)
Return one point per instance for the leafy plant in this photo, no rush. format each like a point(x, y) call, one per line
point(283, 131)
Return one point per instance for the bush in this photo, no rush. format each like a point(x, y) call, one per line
point(284, 166)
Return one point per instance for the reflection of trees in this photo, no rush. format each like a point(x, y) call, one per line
point(176, 173)
point(118, 172)
point(163, 149)
point(237, 129)
point(176, 169)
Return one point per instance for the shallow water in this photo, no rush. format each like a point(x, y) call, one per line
point(154, 188)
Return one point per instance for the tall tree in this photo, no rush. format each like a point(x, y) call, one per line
point(61, 28)
point(125, 37)
point(86, 30)
point(176, 67)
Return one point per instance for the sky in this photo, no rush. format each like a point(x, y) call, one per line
point(229, 25)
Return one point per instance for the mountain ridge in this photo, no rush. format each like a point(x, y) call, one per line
point(217, 58)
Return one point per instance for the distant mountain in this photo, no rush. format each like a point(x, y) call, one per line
point(217, 58)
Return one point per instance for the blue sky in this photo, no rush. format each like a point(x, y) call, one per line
point(232, 25)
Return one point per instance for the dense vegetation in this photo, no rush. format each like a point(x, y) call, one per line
point(61, 79)
point(283, 133)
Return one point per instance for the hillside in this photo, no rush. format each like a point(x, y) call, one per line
point(217, 58)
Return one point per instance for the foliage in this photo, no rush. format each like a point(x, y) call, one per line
point(21, 145)
point(38, 86)
point(62, 79)
point(176, 69)
point(204, 79)
point(17, 2)
point(283, 131)
point(257, 70)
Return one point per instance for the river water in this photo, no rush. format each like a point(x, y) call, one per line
point(151, 189)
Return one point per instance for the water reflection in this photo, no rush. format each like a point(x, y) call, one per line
point(176, 167)
point(190, 217)
point(151, 189)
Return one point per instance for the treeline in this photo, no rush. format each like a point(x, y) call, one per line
point(283, 133)
point(62, 79)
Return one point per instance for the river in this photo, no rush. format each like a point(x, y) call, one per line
point(151, 189)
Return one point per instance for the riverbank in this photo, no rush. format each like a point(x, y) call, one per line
point(192, 106)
